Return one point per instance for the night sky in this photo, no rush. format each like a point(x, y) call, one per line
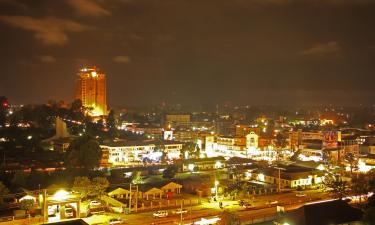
point(191, 51)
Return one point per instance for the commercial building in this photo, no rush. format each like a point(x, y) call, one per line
point(236, 146)
point(91, 90)
point(123, 153)
point(176, 120)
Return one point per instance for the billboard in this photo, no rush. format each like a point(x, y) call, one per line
point(331, 139)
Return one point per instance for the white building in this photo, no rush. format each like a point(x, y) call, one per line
point(135, 152)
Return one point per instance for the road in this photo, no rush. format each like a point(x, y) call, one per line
point(262, 209)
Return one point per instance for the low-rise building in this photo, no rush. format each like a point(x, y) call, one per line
point(135, 152)
point(203, 164)
point(290, 176)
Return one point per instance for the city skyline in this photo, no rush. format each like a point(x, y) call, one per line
point(246, 52)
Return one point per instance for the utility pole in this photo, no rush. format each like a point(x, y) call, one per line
point(45, 207)
point(131, 187)
point(279, 180)
point(130, 198)
point(182, 200)
point(136, 199)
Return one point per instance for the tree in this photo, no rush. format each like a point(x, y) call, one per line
point(76, 106)
point(335, 186)
point(170, 172)
point(280, 141)
point(136, 177)
point(27, 204)
point(191, 149)
point(112, 125)
point(84, 152)
point(35, 179)
point(3, 191)
point(99, 185)
point(19, 178)
point(350, 158)
point(82, 185)
point(160, 147)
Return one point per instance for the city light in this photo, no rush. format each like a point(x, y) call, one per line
point(61, 195)
point(191, 167)
point(261, 177)
point(94, 74)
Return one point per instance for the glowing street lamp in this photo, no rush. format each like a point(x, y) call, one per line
point(61, 195)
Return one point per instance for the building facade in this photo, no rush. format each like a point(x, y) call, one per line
point(137, 152)
point(91, 90)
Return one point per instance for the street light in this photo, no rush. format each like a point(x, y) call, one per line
point(61, 195)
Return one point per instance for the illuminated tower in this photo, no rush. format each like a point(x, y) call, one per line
point(91, 90)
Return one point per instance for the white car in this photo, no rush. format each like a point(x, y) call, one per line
point(273, 202)
point(95, 203)
point(51, 211)
point(115, 221)
point(179, 211)
point(160, 213)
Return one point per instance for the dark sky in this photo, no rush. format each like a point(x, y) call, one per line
point(191, 51)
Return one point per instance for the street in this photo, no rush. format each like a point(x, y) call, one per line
point(262, 207)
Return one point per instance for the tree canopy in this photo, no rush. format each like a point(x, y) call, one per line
point(3, 191)
point(84, 152)
point(336, 186)
point(170, 172)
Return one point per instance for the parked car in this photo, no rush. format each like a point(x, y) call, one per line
point(301, 194)
point(51, 211)
point(179, 211)
point(160, 213)
point(115, 221)
point(95, 203)
point(273, 202)
point(69, 212)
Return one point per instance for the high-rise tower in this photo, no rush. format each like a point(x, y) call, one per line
point(91, 90)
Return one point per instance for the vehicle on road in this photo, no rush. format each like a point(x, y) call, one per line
point(273, 202)
point(160, 214)
point(247, 206)
point(115, 221)
point(179, 211)
point(95, 203)
point(301, 194)
point(241, 202)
